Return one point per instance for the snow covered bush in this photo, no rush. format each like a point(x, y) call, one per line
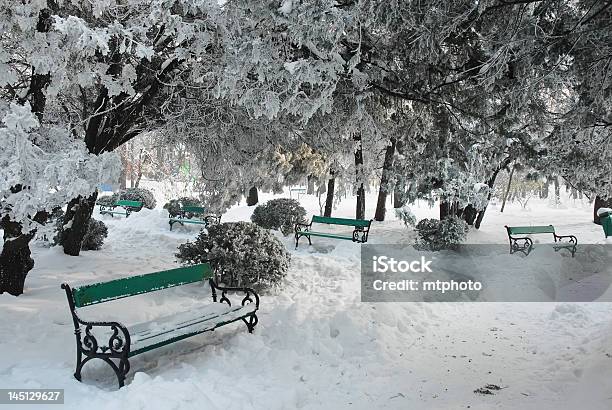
point(131, 194)
point(107, 200)
point(281, 213)
point(174, 205)
point(406, 216)
point(242, 254)
point(94, 236)
point(435, 234)
point(139, 194)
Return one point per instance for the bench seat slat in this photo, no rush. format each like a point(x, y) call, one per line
point(526, 230)
point(126, 202)
point(150, 335)
point(341, 221)
point(136, 285)
point(326, 235)
point(193, 209)
point(189, 221)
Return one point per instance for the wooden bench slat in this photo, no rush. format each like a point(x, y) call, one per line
point(126, 202)
point(327, 235)
point(193, 209)
point(189, 221)
point(341, 221)
point(175, 328)
point(525, 230)
point(135, 285)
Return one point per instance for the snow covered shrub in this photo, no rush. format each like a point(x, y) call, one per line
point(406, 216)
point(174, 205)
point(94, 236)
point(281, 213)
point(138, 194)
point(435, 234)
point(107, 200)
point(242, 254)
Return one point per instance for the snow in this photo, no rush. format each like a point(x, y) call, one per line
point(316, 345)
point(604, 211)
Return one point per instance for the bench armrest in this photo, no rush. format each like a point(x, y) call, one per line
point(250, 294)
point(118, 343)
point(360, 234)
point(302, 227)
point(212, 220)
point(572, 238)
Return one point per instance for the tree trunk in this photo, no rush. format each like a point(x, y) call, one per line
point(113, 127)
point(445, 209)
point(469, 214)
point(360, 205)
point(124, 166)
point(600, 203)
point(557, 191)
point(15, 259)
point(311, 185)
point(252, 197)
point(481, 213)
point(398, 197)
point(76, 221)
point(139, 177)
point(381, 209)
point(507, 190)
point(329, 199)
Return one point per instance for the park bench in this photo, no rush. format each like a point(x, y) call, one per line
point(360, 233)
point(128, 208)
point(524, 243)
point(193, 215)
point(115, 343)
point(605, 218)
point(299, 191)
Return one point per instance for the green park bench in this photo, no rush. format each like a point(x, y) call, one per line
point(605, 218)
point(606, 223)
point(521, 243)
point(193, 215)
point(127, 205)
point(299, 191)
point(115, 343)
point(360, 233)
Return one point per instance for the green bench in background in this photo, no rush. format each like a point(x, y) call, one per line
point(193, 215)
point(606, 223)
point(128, 208)
point(527, 243)
point(360, 233)
point(299, 191)
point(605, 218)
point(115, 343)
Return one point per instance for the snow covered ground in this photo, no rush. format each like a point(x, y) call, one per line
point(316, 345)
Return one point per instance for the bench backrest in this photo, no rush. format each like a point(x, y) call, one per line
point(524, 230)
point(193, 209)
point(136, 285)
point(126, 202)
point(341, 221)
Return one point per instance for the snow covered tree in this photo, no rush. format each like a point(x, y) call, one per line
point(41, 168)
